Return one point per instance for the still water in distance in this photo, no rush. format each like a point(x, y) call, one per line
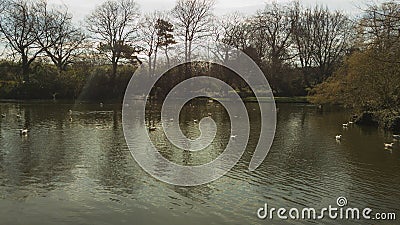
point(80, 171)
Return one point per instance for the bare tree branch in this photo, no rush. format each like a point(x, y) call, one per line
point(114, 25)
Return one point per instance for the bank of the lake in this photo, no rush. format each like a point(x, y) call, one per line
point(295, 99)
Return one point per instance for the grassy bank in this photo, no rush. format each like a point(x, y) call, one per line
point(296, 99)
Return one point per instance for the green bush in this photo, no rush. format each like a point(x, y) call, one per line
point(81, 81)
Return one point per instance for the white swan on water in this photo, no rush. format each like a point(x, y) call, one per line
point(23, 132)
point(388, 145)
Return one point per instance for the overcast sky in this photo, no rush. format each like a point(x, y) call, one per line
point(80, 8)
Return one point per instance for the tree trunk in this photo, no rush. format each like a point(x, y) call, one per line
point(113, 74)
point(187, 45)
point(60, 65)
point(167, 56)
point(25, 68)
point(155, 60)
point(114, 71)
point(150, 65)
point(190, 51)
point(186, 74)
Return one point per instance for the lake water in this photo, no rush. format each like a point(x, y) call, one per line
point(79, 170)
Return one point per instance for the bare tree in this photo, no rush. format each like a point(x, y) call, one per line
point(156, 33)
point(59, 38)
point(303, 38)
point(114, 24)
point(272, 29)
point(2, 8)
point(2, 5)
point(148, 34)
point(193, 19)
point(302, 35)
point(331, 38)
point(321, 38)
point(235, 31)
point(380, 30)
point(232, 31)
point(382, 22)
point(270, 40)
point(18, 24)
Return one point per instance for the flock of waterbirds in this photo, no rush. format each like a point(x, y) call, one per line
point(195, 121)
point(388, 146)
point(338, 137)
point(24, 131)
point(345, 126)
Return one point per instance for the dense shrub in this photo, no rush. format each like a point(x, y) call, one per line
point(83, 81)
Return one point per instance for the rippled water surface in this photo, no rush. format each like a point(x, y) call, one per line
point(77, 169)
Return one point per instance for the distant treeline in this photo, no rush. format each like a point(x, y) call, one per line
point(301, 50)
point(296, 47)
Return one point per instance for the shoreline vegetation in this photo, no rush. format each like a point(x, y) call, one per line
point(309, 54)
point(296, 99)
